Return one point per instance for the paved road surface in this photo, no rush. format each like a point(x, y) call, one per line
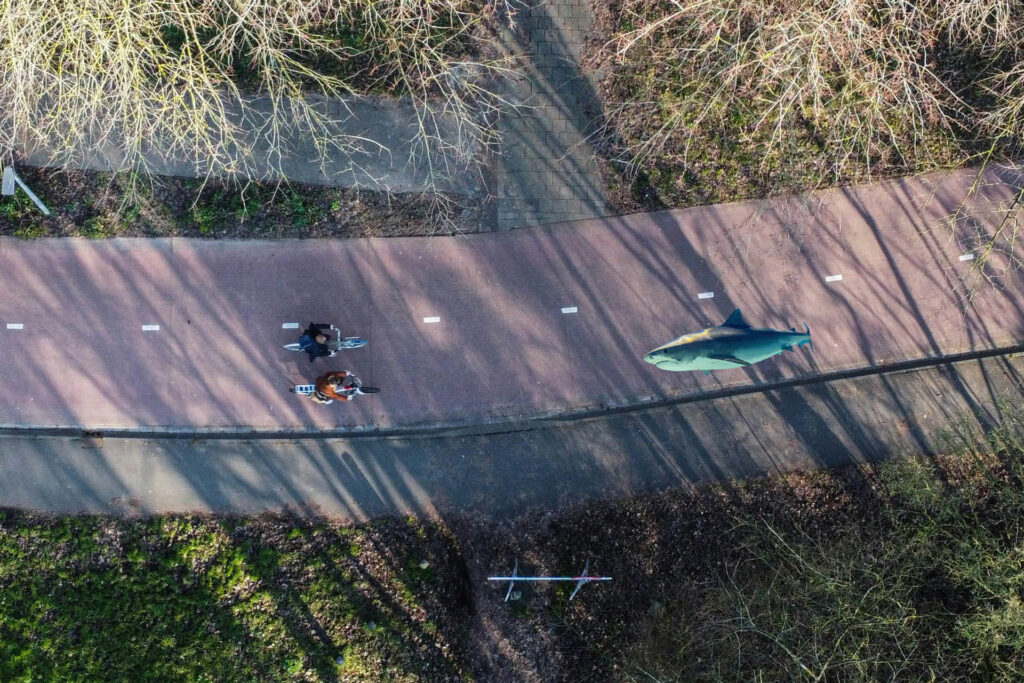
point(72, 313)
point(501, 476)
point(377, 148)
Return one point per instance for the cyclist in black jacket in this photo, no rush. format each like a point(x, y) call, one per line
point(314, 341)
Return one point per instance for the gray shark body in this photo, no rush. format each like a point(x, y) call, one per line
point(733, 344)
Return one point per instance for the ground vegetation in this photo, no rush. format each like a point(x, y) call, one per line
point(709, 101)
point(192, 79)
point(912, 569)
point(99, 205)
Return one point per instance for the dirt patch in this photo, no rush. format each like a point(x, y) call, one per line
point(661, 551)
point(689, 568)
point(98, 205)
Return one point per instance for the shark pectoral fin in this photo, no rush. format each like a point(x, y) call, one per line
point(707, 372)
point(730, 359)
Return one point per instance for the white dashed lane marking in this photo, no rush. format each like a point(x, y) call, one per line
point(150, 328)
point(569, 309)
point(434, 319)
point(706, 295)
point(15, 326)
point(967, 257)
point(833, 278)
point(289, 326)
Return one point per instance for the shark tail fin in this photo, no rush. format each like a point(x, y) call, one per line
point(808, 331)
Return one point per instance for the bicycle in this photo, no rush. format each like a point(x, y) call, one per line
point(338, 344)
point(308, 389)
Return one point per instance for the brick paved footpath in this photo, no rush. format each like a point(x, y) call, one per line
point(547, 171)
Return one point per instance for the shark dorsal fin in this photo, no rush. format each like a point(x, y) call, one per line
point(735, 320)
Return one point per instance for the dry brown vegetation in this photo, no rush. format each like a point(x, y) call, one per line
point(714, 100)
point(183, 73)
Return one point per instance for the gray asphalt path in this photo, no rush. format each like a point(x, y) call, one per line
point(500, 476)
point(380, 145)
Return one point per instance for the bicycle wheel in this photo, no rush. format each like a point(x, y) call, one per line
point(368, 390)
point(351, 342)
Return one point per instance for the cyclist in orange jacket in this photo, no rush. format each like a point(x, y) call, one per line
point(341, 385)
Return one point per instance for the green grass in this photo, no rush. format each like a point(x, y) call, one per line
point(300, 210)
point(18, 210)
point(220, 209)
point(30, 231)
point(96, 227)
point(186, 598)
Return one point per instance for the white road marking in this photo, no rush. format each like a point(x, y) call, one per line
point(434, 319)
point(967, 257)
point(569, 309)
point(289, 326)
point(706, 295)
point(15, 326)
point(150, 328)
point(833, 278)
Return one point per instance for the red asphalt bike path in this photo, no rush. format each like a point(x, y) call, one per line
point(503, 347)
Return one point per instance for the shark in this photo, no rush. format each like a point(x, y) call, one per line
point(733, 344)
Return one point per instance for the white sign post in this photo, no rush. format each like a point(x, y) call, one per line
point(7, 188)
